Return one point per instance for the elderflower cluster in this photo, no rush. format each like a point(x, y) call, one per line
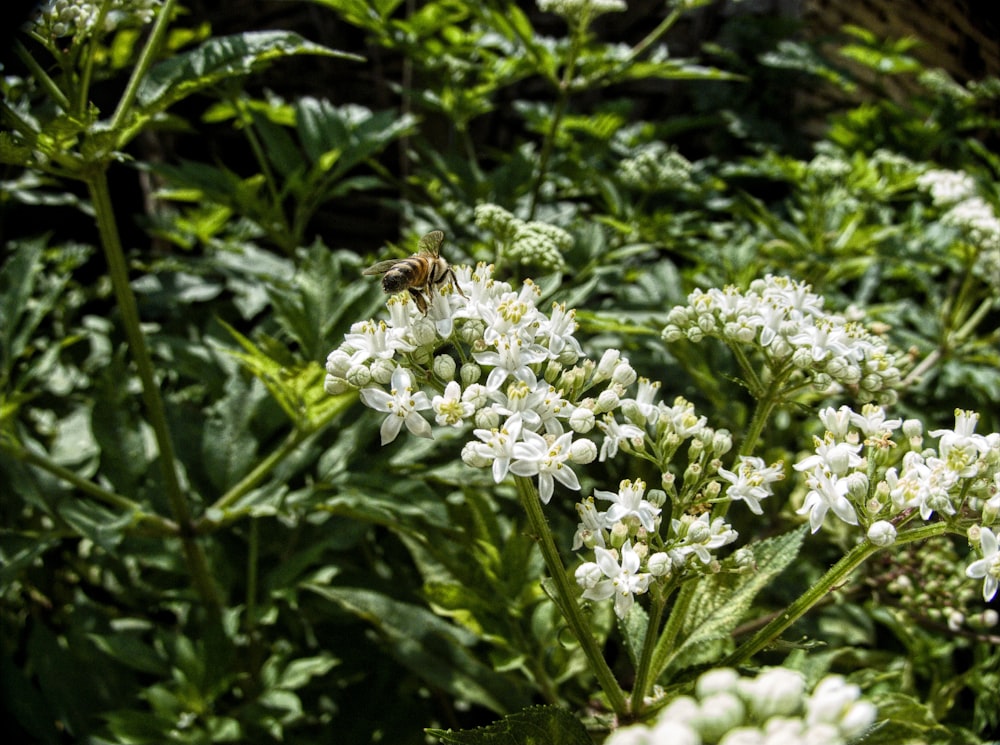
point(511, 372)
point(486, 358)
point(956, 192)
point(80, 18)
point(785, 322)
point(775, 708)
point(862, 476)
point(629, 553)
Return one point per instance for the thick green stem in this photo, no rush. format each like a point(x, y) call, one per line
point(566, 597)
point(97, 183)
point(835, 576)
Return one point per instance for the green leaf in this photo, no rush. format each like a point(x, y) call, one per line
point(129, 650)
point(434, 649)
point(716, 603)
point(218, 59)
point(537, 725)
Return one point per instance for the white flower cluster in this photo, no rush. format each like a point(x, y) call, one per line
point(579, 9)
point(956, 192)
point(785, 321)
point(618, 570)
point(772, 709)
point(538, 408)
point(864, 478)
point(61, 18)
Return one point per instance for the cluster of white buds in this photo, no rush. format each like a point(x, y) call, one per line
point(581, 9)
point(964, 208)
point(775, 708)
point(860, 474)
point(79, 18)
point(655, 167)
point(525, 242)
point(785, 322)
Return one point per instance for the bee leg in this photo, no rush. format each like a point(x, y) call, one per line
point(419, 299)
point(454, 282)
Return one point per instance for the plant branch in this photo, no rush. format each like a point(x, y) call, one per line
point(97, 183)
point(567, 597)
point(149, 52)
point(835, 576)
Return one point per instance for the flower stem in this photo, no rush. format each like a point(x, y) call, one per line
point(97, 183)
point(835, 576)
point(146, 58)
point(566, 597)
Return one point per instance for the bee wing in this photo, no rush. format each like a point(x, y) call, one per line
point(431, 243)
point(381, 267)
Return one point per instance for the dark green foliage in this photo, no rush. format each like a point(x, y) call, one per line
point(200, 545)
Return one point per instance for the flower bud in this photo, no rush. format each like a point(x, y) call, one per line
point(582, 451)
point(359, 376)
point(472, 456)
point(487, 419)
point(608, 400)
point(609, 360)
point(882, 533)
point(775, 692)
point(382, 371)
point(624, 374)
point(588, 575)
point(582, 420)
point(444, 367)
point(470, 373)
point(659, 564)
point(335, 386)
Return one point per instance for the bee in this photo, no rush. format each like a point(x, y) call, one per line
point(418, 274)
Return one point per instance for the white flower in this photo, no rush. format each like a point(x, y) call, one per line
point(376, 341)
point(498, 445)
point(836, 457)
point(947, 187)
point(402, 405)
point(988, 567)
point(614, 433)
point(535, 456)
point(623, 580)
point(628, 501)
point(827, 492)
point(699, 535)
point(590, 530)
point(872, 422)
point(961, 447)
point(450, 409)
point(751, 482)
point(512, 357)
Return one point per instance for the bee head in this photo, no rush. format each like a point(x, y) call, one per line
point(394, 281)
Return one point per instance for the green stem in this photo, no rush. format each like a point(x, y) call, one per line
point(39, 74)
point(649, 643)
point(835, 576)
point(268, 464)
point(653, 36)
point(160, 524)
point(566, 597)
point(97, 183)
point(149, 53)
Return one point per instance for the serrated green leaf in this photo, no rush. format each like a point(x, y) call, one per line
point(716, 603)
point(537, 725)
point(220, 58)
